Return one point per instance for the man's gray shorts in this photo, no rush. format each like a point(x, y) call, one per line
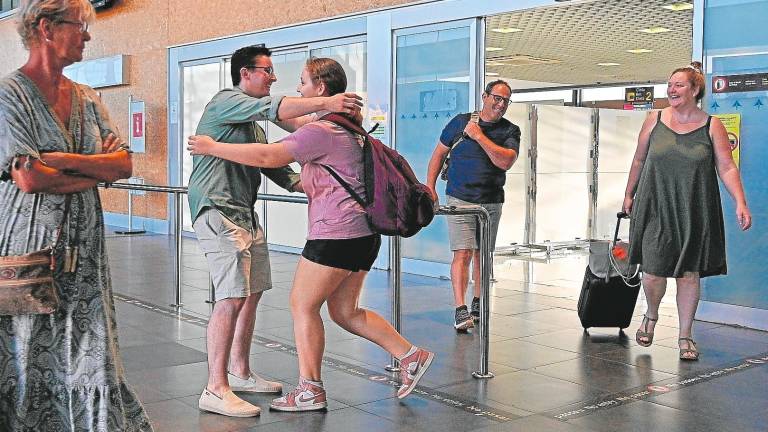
point(463, 230)
point(238, 259)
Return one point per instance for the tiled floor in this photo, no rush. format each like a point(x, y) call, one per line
point(550, 375)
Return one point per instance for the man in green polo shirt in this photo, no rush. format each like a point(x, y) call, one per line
point(222, 195)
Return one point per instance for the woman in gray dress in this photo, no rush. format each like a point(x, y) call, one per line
point(673, 195)
point(60, 372)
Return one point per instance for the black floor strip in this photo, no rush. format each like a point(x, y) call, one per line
point(582, 409)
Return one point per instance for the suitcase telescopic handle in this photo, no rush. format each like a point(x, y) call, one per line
point(619, 216)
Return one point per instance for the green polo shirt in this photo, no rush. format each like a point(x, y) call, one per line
point(229, 187)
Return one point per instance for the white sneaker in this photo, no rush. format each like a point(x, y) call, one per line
point(228, 404)
point(254, 384)
point(412, 368)
point(305, 397)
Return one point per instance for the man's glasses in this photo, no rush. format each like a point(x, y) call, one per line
point(83, 25)
point(499, 99)
point(269, 70)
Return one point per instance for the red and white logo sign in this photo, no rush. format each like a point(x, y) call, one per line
point(137, 125)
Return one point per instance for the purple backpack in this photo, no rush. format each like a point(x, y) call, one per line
point(397, 203)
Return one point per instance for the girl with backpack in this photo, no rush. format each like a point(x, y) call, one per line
point(340, 247)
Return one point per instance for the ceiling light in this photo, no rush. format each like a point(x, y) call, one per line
point(679, 6)
point(494, 49)
point(656, 29)
point(525, 60)
point(506, 30)
point(639, 51)
point(609, 64)
point(492, 63)
point(491, 74)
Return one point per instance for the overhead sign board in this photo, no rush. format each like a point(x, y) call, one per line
point(638, 98)
point(740, 83)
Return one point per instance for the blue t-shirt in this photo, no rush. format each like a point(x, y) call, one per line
point(472, 176)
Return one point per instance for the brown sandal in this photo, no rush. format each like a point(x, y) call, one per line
point(644, 332)
point(691, 350)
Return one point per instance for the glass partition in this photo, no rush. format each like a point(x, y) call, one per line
point(288, 66)
point(432, 86)
point(201, 83)
point(618, 132)
point(512, 224)
point(562, 178)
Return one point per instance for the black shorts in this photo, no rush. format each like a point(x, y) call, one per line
point(349, 254)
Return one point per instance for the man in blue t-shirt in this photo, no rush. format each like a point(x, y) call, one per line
point(480, 154)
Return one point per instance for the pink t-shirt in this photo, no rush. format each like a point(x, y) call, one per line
point(333, 213)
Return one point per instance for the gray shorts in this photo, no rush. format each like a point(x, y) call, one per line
point(463, 230)
point(238, 259)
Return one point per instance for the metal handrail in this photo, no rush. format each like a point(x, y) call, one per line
point(486, 260)
point(396, 282)
point(177, 192)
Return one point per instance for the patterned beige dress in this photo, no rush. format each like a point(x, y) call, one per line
point(59, 372)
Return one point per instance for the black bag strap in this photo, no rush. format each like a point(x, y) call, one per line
point(346, 186)
point(351, 126)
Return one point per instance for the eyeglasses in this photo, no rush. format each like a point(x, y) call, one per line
point(269, 70)
point(83, 25)
point(499, 99)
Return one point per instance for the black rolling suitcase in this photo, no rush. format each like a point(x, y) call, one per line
point(610, 288)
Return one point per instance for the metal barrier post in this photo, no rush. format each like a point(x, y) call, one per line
point(395, 284)
point(486, 263)
point(484, 220)
point(131, 193)
point(177, 224)
point(177, 228)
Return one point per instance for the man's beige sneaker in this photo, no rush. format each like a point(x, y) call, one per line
point(228, 404)
point(254, 384)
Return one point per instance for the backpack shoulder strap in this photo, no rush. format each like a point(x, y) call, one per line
point(346, 186)
point(345, 122)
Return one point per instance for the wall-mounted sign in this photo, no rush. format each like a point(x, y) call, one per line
point(740, 83)
point(379, 114)
point(101, 72)
point(137, 123)
point(638, 98)
point(732, 123)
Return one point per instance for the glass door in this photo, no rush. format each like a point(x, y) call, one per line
point(564, 137)
point(201, 81)
point(288, 66)
point(435, 79)
point(351, 54)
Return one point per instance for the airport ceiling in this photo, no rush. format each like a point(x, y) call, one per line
point(566, 43)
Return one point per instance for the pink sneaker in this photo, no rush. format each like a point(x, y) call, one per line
point(412, 368)
point(305, 397)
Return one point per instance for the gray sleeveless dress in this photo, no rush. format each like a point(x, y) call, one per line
point(677, 219)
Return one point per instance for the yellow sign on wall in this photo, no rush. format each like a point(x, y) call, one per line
point(732, 123)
